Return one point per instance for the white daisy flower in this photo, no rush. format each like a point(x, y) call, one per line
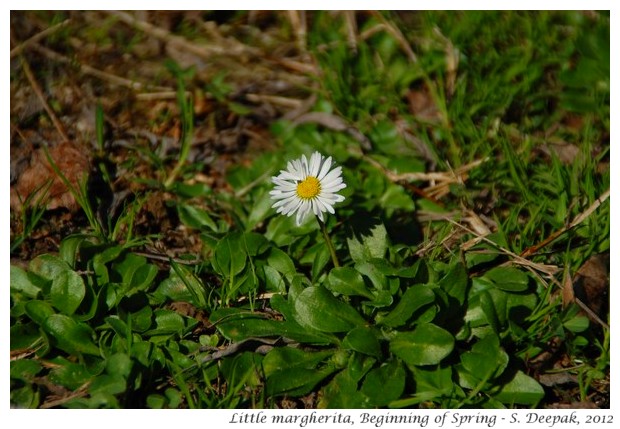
point(308, 187)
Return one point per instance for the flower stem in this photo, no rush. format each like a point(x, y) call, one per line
point(329, 243)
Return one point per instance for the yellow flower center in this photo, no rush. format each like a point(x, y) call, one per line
point(309, 188)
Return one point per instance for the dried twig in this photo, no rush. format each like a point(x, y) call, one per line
point(549, 270)
point(161, 95)
point(38, 37)
point(535, 269)
point(457, 176)
point(398, 35)
point(86, 69)
point(351, 25)
point(37, 90)
point(436, 190)
point(293, 103)
point(576, 221)
point(79, 393)
point(203, 51)
point(298, 22)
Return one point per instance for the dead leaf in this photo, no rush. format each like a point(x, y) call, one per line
point(568, 293)
point(422, 105)
point(566, 152)
point(557, 378)
point(591, 284)
point(39, 176)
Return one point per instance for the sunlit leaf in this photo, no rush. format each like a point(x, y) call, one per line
point(317, 308)
point(428, 344)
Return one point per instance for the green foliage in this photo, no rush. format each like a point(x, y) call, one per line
point(421, 311)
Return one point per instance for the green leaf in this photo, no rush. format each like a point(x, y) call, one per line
point(395, 197)
point(364, 340)
point(20, 282)
point(230, 256)
point(101, 259)
point(142, 278)
point(486, 359)
point(260, 210)
point(70, 247)
point(428, 344)
point(24, 369)
point(508, 278)
point(281, 358)
point(128, 267)
point(321, 258)
point(25, 397)
point(67, 291)
point(489, 308)
point(39, 311)
point(347, 281)
point(368, 244)
point(119, 363)
point(141, 320)
point(522, 389)
point(70, 336)
point(24, 335)
point(577, 324)
point(318, 309)
point(174, 397)
point(155, 401)
point(108, 384)
point(297, 381)
point(434, 381)
point(414, 298)
point(118, 326)
point(342, 393)
point(194, 190)
point(273, 280)
point(167, 322)
point(48, 266)
point(195, 217)
point(179, 359)
point(381, 298)
point(280, 261)
point(373, 272)
point(454, 283)
point(254, 244)
point(182, 279)
point(69, 374)
point(236, 325)
point(384, 384)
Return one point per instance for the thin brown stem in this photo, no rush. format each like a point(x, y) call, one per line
point(37, 90)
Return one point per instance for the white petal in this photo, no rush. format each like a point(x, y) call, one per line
point(315, 207)
point(282, 185)
point(304, 165)
point(315, 164)
point(282, 195)
point(328, 187)
point(320, 215)
point(327, 204)
point(325, 169)
point(288, 175)
point(297, 169)
point(303, 210)
point(283, 201)
point(333, 190)
point(295, 205)
point(333, 175)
